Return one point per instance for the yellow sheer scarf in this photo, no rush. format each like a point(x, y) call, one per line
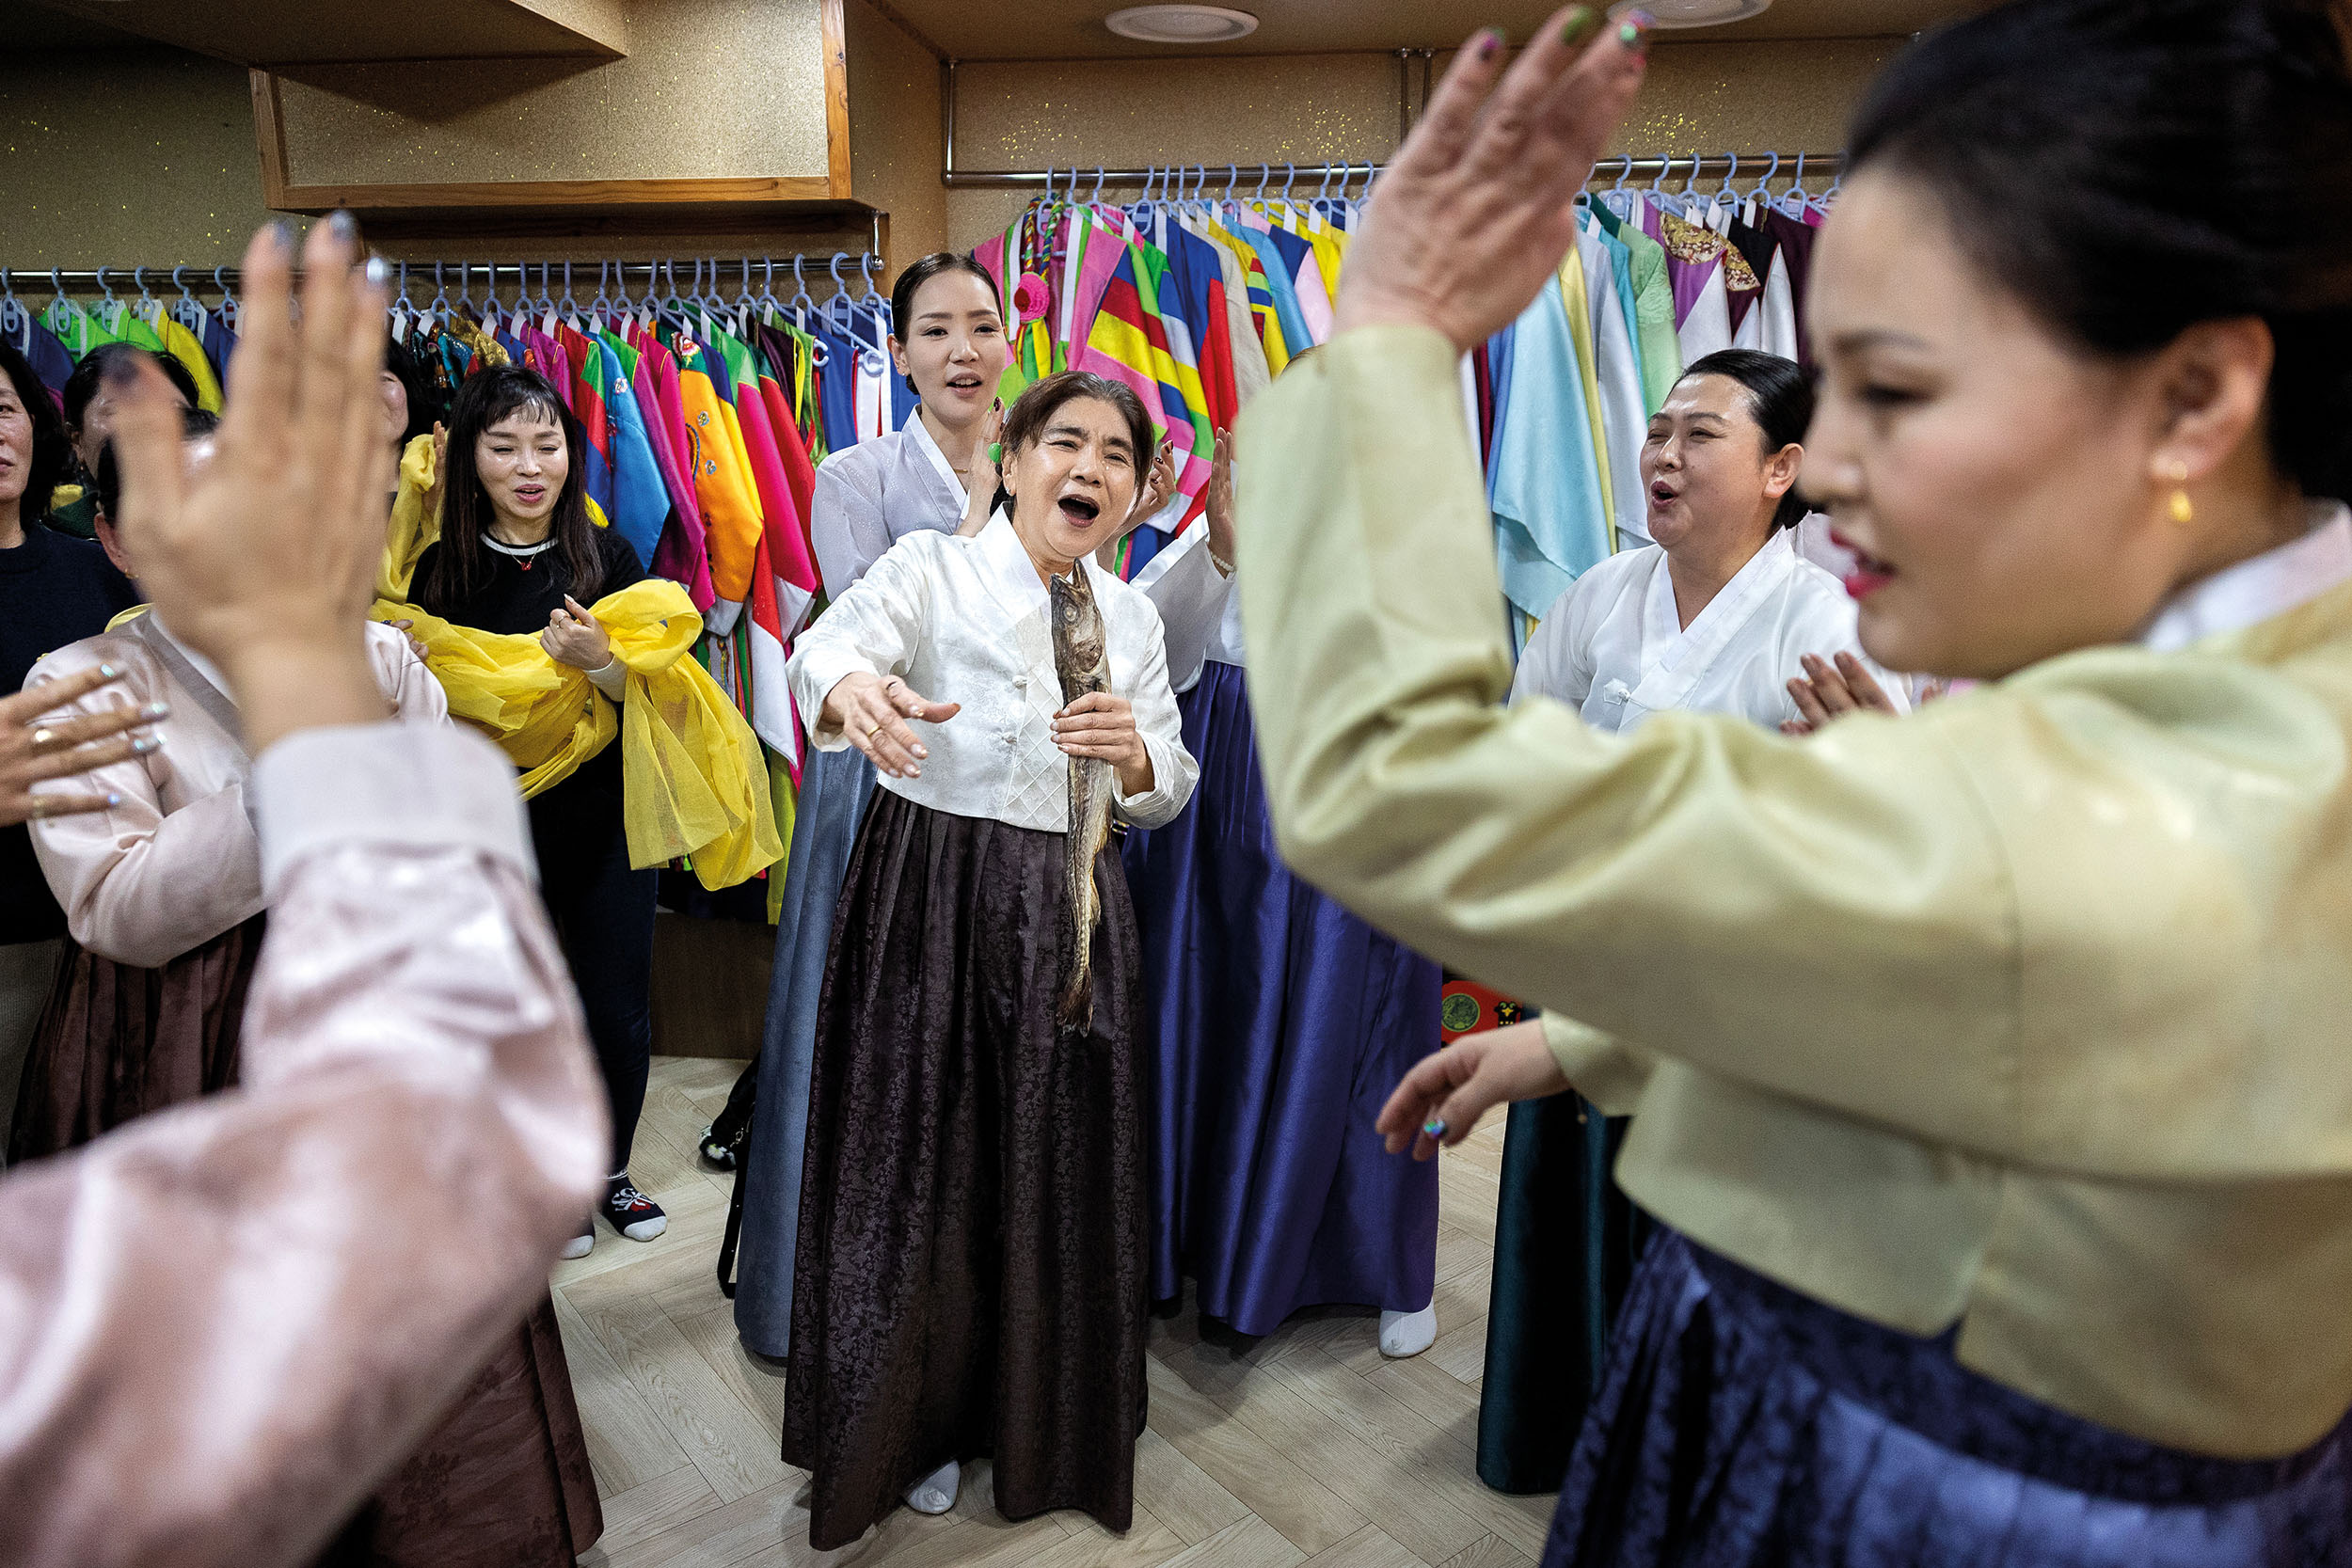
point(693, 781)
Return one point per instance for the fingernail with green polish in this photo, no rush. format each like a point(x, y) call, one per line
point(1579, 26)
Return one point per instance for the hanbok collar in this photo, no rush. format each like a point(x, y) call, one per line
point(928, 446)
point(2257, 589)
point(192, 673)
point(1013, 574)
point(1674, 657)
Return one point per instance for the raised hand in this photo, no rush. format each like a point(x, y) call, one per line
point(1157, 486)
point(440, 471)
point(980, 480)
point(265, 561)
point(1476, 212)
point(1220, 502)
point(872, 711)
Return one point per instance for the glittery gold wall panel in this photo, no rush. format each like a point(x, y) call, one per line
point(893, 131)
point(1309, 108)
point(139, 158)
point(1745, 98)
point(711, 89)
point(1296, 108)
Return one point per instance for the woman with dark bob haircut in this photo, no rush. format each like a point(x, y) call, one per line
point(969, 1276)
point(1987, 1065)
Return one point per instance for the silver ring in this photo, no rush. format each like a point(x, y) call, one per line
point(43, 736)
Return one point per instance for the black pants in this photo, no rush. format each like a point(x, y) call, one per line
point(603, 915)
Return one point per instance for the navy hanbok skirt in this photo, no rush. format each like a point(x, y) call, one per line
point(1741, 1424)
point(1278, 1026)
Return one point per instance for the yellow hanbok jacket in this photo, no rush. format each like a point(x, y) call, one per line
point(693, 781)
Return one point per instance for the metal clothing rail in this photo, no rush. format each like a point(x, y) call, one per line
point(703, 275)
point(1195, 179)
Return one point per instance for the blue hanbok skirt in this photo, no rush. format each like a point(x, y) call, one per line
point(1741, 1424)
point(835, 788)
point(1279, 1023)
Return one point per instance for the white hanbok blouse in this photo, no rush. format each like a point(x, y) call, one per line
point(1615, 646)
point(966, 621)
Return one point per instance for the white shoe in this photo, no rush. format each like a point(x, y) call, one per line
point(1404, 1334)
point(579, 1245)
point(936, 1491)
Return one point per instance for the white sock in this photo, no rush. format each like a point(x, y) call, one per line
point(936, 1491)
point(1404, 1334)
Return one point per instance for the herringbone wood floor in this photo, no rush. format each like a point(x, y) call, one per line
point(1305, 1448)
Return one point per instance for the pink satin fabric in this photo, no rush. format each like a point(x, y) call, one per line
point(223, 1326)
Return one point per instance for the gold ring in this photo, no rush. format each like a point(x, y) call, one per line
point(43, 737)
point(878, 729)
point(44, 806)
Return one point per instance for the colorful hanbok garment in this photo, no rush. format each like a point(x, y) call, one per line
point(1551, 516)
point(41, 350)
point(970, 1270)
point(1697, 263)
point(1276, 1024)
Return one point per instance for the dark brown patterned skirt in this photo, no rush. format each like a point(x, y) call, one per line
point(503, 1481)
point(117, 1041)
point(970, 1272)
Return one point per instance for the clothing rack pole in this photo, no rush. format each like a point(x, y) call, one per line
point(159, 284)
point(1604, 173)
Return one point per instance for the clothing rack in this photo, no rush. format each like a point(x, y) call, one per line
point(841, 268)
point(1193, 180)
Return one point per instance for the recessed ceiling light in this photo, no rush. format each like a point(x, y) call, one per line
point(1181, 24)
point(1693, 14)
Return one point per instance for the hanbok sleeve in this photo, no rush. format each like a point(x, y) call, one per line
point(415, 696)
point(846, 524)
point(1557, 661)
point(212, 1347)
point(875, 626)
point(1190, 594)
point(140, 884)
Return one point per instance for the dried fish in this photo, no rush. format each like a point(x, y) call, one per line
point(1081, 658)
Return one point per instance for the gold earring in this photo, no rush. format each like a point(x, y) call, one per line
point(2183, 511)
